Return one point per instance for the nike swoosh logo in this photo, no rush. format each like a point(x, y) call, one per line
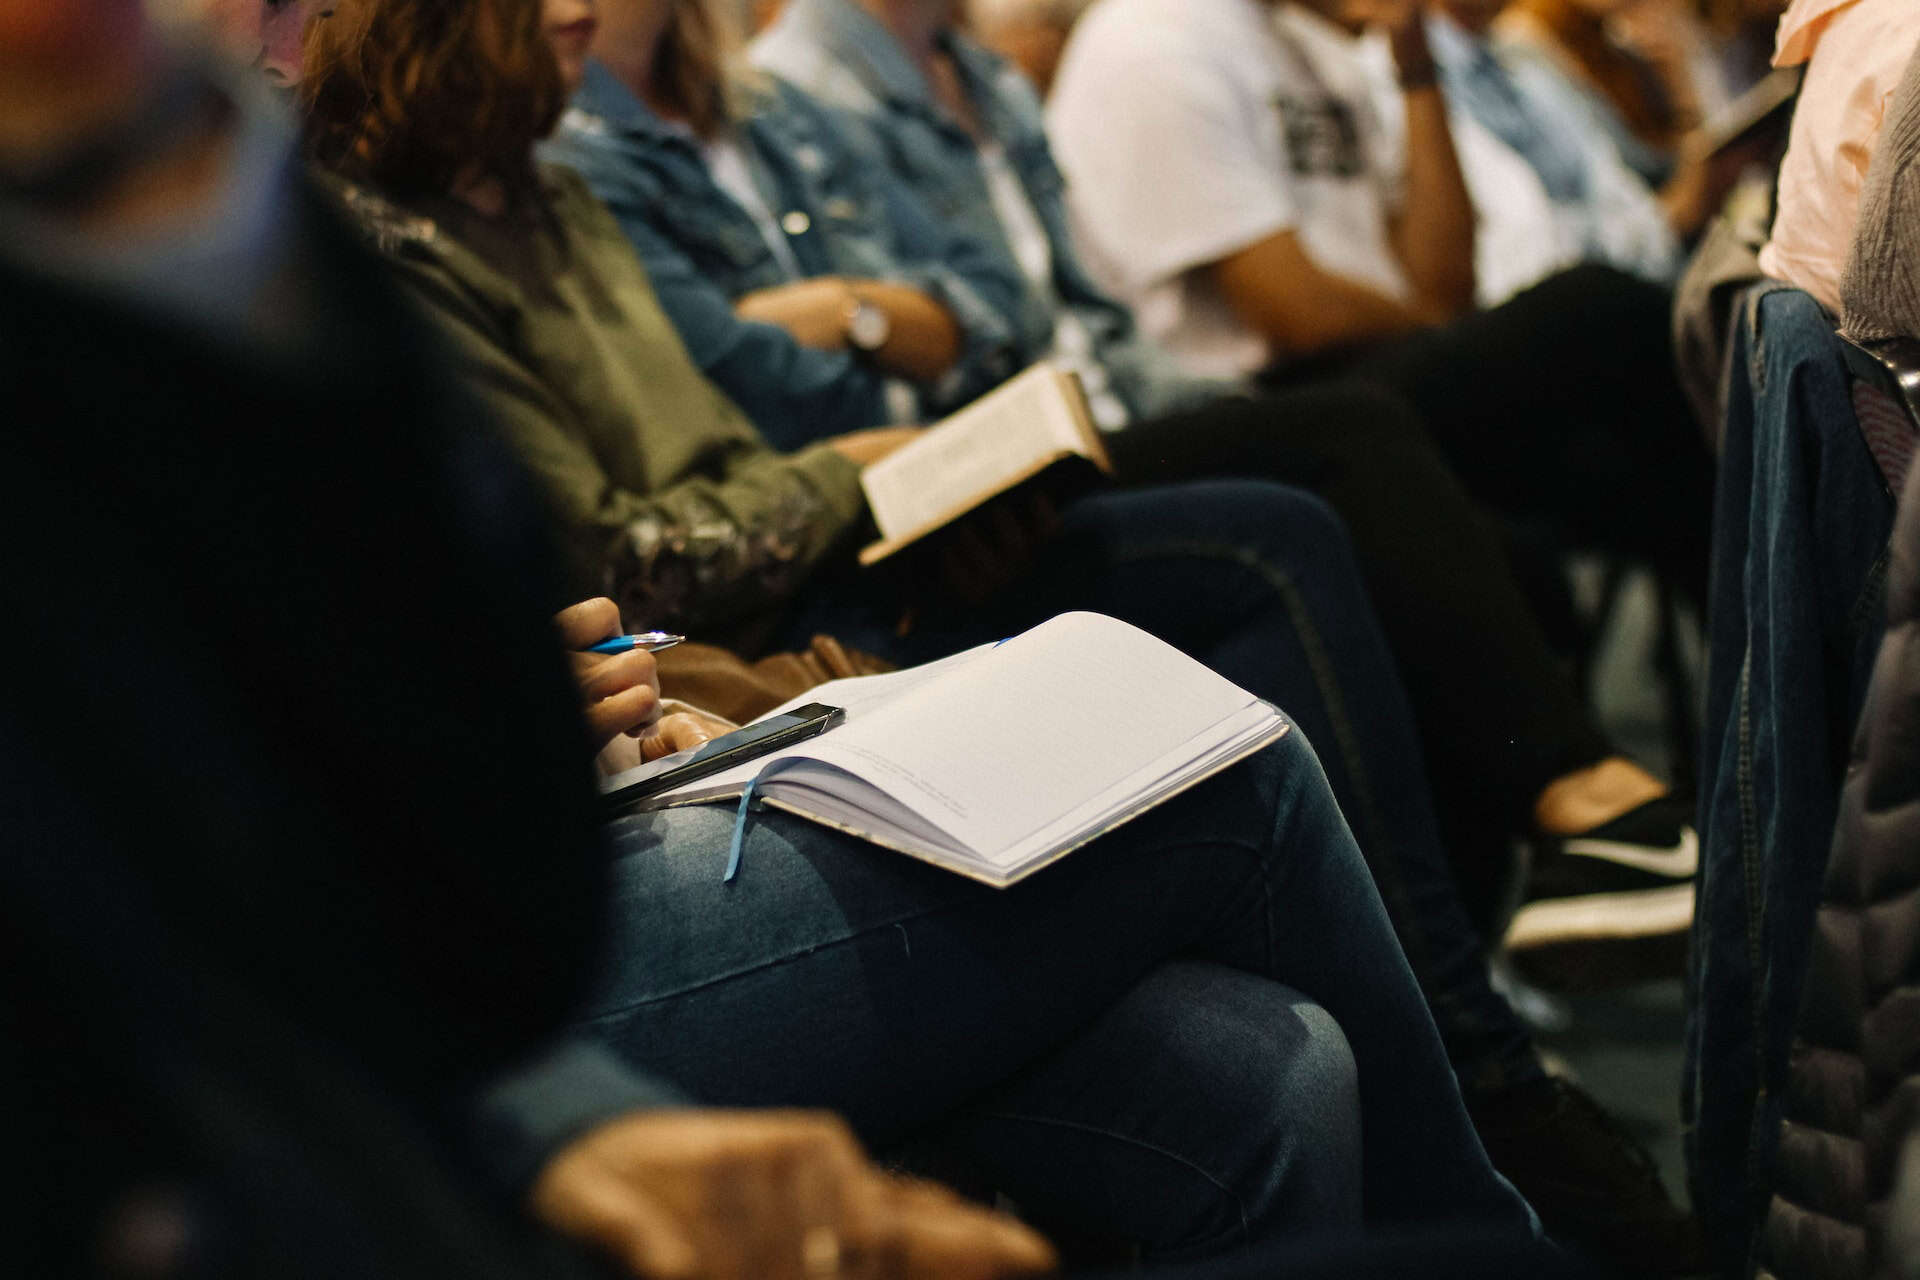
point(1679, 862)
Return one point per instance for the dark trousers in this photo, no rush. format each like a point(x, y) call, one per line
point(1497, 712)
point(1562, 406)
point(1259, 582)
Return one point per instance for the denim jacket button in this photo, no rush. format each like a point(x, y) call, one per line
point(796, 223)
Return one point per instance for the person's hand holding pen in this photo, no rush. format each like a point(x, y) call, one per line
point(619, 686)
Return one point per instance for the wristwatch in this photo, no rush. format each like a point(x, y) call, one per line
point(868, 327)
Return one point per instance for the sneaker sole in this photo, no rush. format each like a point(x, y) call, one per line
point(1595, 917)
point(1618, 940)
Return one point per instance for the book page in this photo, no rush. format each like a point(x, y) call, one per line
point(1038, 727)
point(972, 453)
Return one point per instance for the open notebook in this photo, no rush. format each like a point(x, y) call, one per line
point(996, 761)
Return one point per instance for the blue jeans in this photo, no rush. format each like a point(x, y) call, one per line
point(1197, 1030)
point(1801, 520)
point(1258, 581)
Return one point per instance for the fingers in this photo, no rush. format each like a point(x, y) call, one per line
point(588, 622)
point(697, 1195)
point(620, 1219)
point(621, 693)
point(677, 732)
point(962, 1242)
point(777, 1205)
point(923, 1230)
point(604, 676)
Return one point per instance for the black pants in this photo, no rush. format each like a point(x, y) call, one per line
point(1498, 714)
point(1562, 407)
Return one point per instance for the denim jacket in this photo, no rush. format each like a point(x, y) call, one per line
point(1801, 521)
point(838, 52)
point(839, 215)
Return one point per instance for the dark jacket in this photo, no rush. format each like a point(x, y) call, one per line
point(298, 842)
point(1854, 1080)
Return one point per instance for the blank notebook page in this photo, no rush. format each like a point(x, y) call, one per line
point(1070, 706)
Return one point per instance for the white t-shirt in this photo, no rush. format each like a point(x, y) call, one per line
point(1191, 129)
point(727, 164)
point(1521, 234)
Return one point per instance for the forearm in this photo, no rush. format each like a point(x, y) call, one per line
point(1275, 289)
point(923, 341)
point(1433, 237)
point(1350, 313)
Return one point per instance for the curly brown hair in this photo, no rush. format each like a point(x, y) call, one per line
point(413, 96)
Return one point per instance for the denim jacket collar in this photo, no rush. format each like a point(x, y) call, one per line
point(858, 41)
point(602, 97)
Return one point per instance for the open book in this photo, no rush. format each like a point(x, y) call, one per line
point(998, 760)
point(1004, 438)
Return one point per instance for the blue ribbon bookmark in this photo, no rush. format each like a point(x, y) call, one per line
point(748, 802)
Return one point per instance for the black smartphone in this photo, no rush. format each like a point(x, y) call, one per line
point(725, 751)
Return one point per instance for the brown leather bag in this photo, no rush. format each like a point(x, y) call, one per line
point(721, 681)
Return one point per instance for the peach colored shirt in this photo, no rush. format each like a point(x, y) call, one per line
point(1855, 51)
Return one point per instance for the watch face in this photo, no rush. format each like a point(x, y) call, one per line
point(868, 328)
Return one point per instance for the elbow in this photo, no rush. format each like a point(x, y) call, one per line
point(1445, 290)
point(1311, 330)
point(1292, 338)
point(1452, 299)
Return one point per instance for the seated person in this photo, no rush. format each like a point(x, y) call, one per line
point(1559, 405)
point(693, 159)
point(366, 879)
point(1854, 52)
point(635, 446)
point(1630, 63)
point(355, 875)
point(1572, 199)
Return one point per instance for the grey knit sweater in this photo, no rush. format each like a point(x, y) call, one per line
point(1880, 290)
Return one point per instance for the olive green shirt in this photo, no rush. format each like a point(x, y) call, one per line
point(674, 504)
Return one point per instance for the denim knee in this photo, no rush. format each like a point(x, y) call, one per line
point(1274, 1097)
point(1268, 1100)
point(1264, 516)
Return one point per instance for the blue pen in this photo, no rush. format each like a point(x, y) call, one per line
point(651, 641)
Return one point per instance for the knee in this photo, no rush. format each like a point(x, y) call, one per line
point(1306, 1166)
point(1370, 416)
point(1276, 1107)
point(1282, 523)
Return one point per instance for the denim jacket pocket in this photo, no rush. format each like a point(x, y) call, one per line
point(723, 244)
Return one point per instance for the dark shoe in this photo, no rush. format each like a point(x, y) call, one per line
point(1594, 1188)
point(1610, 905)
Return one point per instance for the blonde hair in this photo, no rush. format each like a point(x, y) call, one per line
point(698, 69)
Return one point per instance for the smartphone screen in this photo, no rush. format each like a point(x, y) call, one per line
point(723, 752)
